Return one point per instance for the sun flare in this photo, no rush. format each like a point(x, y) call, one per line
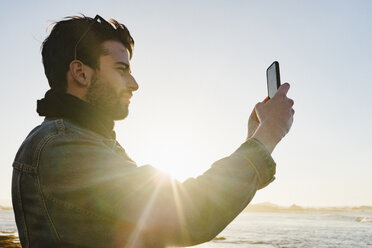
point(175, 161)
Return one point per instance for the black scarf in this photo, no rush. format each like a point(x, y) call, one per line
point(63, 105)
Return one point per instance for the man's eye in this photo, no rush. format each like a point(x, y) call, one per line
point(122, 70)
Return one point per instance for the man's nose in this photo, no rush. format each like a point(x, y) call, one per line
point(132, 84)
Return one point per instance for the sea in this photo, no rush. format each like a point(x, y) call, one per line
point(345, 229)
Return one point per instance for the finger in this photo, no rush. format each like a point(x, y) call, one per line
point(253, 114)
point(266, 99)
point(253, 111)
point(258, 105)
point(283, 89)
point(291, 102)
point(290, 123)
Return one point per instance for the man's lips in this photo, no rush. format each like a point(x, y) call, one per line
point(126, 97)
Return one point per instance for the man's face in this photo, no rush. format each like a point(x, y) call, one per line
point(112, 84)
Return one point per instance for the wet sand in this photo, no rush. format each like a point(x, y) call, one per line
point(9, 241)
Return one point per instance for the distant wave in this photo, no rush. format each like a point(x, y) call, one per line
point(363, 219)
point(226, 241)
point(5, 208)
point(349, 218)
point(270, 207)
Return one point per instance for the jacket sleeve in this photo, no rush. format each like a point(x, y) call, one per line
point(89, 175)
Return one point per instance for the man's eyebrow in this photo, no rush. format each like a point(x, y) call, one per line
point(122, 63)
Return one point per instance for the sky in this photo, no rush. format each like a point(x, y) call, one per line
point(200, 66)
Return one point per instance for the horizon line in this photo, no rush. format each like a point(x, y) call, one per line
point(267, 204)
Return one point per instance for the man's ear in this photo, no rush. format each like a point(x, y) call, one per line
point(80, 73)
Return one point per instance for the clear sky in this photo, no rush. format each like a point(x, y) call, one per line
point(201, 68)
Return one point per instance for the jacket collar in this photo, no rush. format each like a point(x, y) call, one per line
point(63, 105)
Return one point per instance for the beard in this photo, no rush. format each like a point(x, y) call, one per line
point(106, 99)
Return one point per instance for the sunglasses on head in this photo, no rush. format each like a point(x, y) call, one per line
point(97, 19)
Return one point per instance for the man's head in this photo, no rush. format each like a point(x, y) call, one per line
point(89, 58)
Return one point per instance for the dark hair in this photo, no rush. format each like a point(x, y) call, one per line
point(58, 49)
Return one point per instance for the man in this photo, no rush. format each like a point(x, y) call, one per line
point(75, 186)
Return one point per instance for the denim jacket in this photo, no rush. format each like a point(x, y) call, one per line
point(72, 187)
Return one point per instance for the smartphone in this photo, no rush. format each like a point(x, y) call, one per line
point(273, 78)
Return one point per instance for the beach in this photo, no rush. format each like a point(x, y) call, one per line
point(9, 241)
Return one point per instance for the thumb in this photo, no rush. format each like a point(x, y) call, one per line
point(253, 117)
point(259, 105)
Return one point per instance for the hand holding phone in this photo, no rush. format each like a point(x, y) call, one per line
point(272, 119)
point(273, 79)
